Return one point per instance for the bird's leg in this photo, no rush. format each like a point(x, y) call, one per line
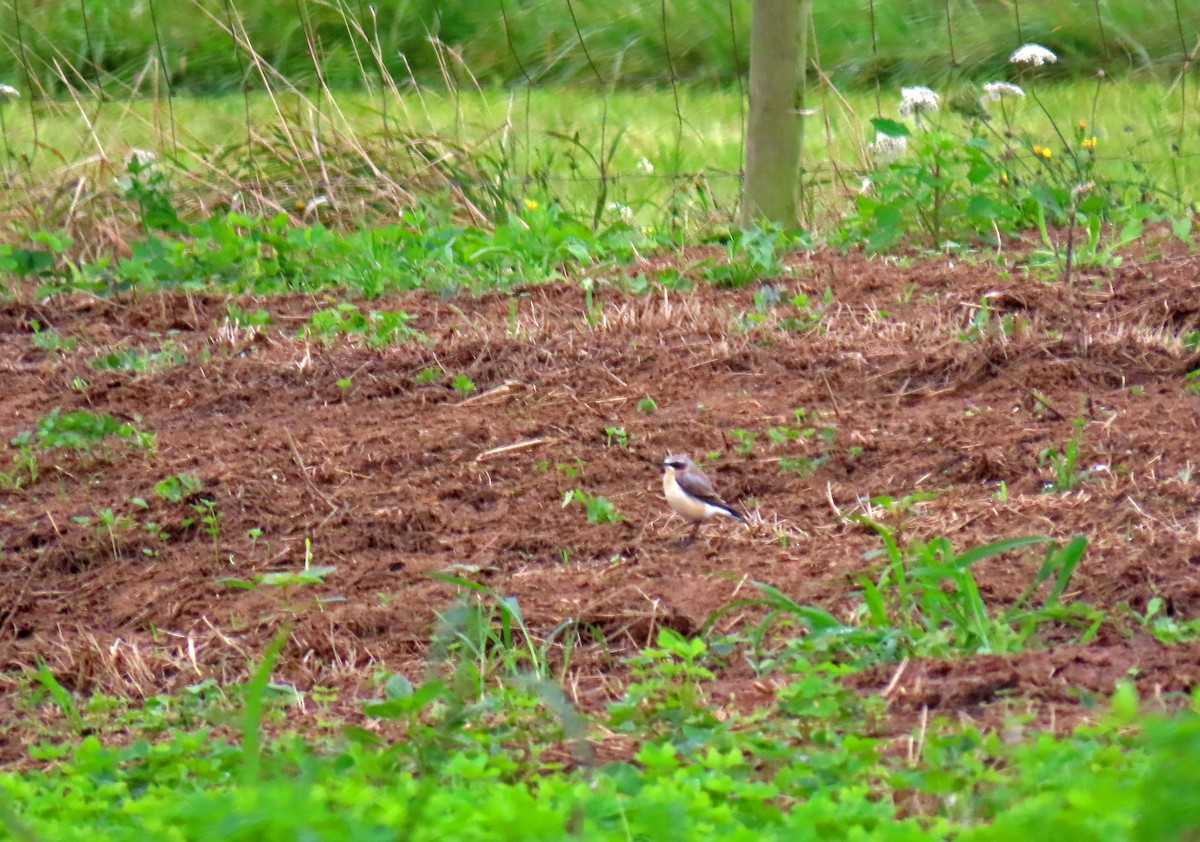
point(691, 538)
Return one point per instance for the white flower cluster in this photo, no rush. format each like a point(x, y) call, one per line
point(624, 211)
point(1034, 54)
point(995, 91)
point(1082, 189)
point(917, 99)
point(8, 92)
point(886, 148)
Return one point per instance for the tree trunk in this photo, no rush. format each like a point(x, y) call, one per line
point(774, 130)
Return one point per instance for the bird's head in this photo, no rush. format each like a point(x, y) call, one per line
point(677, 462)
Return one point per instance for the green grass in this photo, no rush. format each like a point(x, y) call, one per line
point(808, 766)
point(534, 202)
point(552, 41)
point(660, 160)
point(1131, 117)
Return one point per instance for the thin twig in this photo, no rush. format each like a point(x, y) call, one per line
point(837, 410)
point(304, 471)
point(520, 445)
point(891, 685)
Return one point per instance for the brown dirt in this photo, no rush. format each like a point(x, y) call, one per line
point(392, 479)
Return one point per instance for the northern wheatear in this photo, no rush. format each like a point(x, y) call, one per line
point(690, 493)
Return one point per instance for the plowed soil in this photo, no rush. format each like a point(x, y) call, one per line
point(392, 479)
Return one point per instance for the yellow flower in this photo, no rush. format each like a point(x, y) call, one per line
point(1083, 124)
point(1004, 178)
point(1088, 142)
point(1042, 152)
point(531, 204)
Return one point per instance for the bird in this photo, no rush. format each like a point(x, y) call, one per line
point(691, 495)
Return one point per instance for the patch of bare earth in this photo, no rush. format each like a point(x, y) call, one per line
point(392, 479)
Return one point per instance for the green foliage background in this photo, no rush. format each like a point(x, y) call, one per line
point(507, 41)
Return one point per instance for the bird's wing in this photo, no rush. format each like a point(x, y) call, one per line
point(697, 485)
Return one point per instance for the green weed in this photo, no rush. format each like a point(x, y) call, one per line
point(1066, 475)
point(799, 315)
point(569, 469)
point(985, 323)
point(744, 440)
point(462, 384)
point(109, 524)
point(751, 255)
point(178, 487)
point(806, 316)
point(782, 436)
point(599, 509)
point(141, 359)
point(378, 327)
point(50, 340)
point(927, 592)
point(667, 690)
point(617, 436)
point(242, 253)
point(593, 305)
point(246, 319)
point(210, 519)
point(309, 574)
point(81, 430)
point(429, 375)
point(25, 465)
point(924, 601)
point(145, 183)
point(1162, 626)
point(491, 631)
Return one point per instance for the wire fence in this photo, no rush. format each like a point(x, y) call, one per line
point(638, 110)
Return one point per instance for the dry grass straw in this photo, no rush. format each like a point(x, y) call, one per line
point(307, 158)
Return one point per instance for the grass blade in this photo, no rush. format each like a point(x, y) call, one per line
point(996, 548)
point(256, 688)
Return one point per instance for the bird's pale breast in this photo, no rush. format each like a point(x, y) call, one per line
point(683, 503)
